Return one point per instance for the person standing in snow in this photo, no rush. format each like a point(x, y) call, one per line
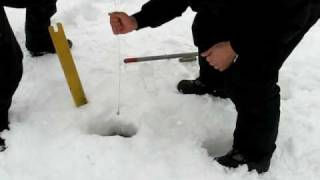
point(242, 46)
point(38, 42)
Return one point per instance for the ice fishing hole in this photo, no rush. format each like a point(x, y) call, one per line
point(113, 128)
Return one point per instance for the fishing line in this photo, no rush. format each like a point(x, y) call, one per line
point(116, 4)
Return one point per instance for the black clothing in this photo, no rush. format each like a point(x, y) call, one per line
point(261, 23)
point(10, 67)
point(234, 159)
point(37, 22)
point(263, 33)
point(38, 19)
point(38, 14)
point(45, 49)
point(26, 3)
point(199, 88)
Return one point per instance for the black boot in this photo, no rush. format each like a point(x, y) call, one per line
point(40, 49)
point(4, 124)
point(2, 145)
point(235, 159)
point(199, 88)
point(38, 40)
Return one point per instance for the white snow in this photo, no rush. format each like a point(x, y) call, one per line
point(176, 136)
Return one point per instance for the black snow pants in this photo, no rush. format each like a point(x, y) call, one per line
point(10, 68)
point(36, 27)
point(251, 84)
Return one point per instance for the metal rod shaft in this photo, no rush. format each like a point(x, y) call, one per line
point(161, 57)
point(188, 59)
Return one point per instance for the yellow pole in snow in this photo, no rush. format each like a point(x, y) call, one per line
point(66, 60)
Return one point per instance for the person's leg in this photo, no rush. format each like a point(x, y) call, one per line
point(10, 69)
point(253, 89)
point(4, 107)
point(258, 106)
point(37, 22)
point(252, 86)
point(10, 75)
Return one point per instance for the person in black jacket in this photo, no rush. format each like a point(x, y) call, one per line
point(38, 42)
point(242, 46)
point(10, 69)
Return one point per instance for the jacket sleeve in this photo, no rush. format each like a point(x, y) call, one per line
point(259, 26)
point(26, 3)
point(157, 12)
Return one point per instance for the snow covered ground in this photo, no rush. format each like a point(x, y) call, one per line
point(177, 135)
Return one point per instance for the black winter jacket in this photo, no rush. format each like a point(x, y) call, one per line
point(256, 26)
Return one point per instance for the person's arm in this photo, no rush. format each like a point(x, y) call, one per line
point(26, 3)
point(258, 26)
point(157, 12)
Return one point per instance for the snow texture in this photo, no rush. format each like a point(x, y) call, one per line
point(175, 137)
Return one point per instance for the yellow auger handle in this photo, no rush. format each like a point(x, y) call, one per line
point(69, 68)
